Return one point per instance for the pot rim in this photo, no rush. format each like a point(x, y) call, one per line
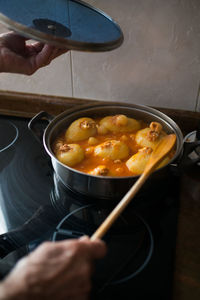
point(101, 104)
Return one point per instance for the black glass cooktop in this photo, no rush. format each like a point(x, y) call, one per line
point(35, 206)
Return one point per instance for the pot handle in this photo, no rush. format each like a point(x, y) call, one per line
point(37, 127)
point(186, 160)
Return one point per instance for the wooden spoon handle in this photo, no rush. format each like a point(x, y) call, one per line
point(103, 228)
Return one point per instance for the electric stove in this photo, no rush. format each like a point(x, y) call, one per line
point(36, 206)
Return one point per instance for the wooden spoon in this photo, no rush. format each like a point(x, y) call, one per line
point(160, 152)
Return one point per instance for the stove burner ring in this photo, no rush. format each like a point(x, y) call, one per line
point(8, 135)
point(73, 226)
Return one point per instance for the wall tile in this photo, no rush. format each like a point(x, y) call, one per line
point(54, 79)
point(159, 61)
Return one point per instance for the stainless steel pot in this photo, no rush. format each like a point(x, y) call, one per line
point(104, 187)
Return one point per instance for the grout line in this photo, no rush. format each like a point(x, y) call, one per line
point(198, 97)
point(71, 73)
point(70, 58)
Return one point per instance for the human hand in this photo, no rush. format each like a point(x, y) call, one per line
point(60, 270)
point(16, 56)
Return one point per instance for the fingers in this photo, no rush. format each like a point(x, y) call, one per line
point(85, 248)
point(11, 35)
point(43, 58)
point(97, 248)
point(82, 247)
point(69, 249)
point(34, 48)
point(57, 52)
point(47, 54)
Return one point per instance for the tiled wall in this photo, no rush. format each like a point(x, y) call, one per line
point(158, 63)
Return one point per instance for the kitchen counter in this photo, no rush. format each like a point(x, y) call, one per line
point(187, 260)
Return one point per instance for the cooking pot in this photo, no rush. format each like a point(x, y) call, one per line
point(103, 187)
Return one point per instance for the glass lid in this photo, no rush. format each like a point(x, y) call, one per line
point(71, 24)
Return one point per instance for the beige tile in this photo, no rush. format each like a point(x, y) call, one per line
point(159, 62)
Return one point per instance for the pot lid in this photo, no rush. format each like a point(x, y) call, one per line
point(71, 24)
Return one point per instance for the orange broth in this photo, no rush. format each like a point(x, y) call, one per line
point(116, 168)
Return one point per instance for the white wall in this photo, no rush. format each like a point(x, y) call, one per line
point(158, 63)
